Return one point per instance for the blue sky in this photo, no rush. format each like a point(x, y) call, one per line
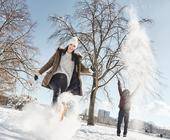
point(158, 32)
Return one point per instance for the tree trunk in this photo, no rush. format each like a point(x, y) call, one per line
point(91, 108)
point(92, 102)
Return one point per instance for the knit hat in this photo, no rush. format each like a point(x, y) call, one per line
point(74, 41)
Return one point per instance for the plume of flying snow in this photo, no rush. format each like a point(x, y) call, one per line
point(140, 65)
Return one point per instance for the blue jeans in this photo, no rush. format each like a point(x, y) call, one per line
point(123, 114)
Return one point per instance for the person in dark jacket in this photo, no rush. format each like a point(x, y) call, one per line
point(124, 109)
point(64, 69)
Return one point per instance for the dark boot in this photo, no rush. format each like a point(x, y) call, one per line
point(118, 135)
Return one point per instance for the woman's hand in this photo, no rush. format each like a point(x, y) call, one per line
point(36, 74)
point(35, 77)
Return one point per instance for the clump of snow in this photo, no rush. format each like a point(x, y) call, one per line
point(43, 122)
point(137, 55)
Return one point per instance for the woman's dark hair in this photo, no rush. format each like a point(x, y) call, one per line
point(74, 56)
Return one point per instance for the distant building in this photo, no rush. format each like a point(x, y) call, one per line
point(103, 113)
point(104, 118)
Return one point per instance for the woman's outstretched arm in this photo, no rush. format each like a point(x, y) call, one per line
point(119, 88)
point(48, 64)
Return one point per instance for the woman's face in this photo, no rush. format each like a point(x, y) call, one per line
point(71, 48)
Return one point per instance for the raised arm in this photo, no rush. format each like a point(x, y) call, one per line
point(119, 88)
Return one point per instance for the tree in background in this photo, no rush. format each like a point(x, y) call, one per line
point(101, 26)
point(16, 49)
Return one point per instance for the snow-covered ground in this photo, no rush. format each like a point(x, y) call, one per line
point(11, 130)
point(108, 133)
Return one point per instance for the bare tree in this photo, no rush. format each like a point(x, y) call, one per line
point(16, 50)
point(101, 26)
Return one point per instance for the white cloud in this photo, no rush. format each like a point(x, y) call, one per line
point(158, 108)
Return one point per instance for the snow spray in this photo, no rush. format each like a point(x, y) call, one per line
point(140, 66)
point(44, 123)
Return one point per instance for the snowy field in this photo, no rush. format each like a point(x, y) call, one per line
point(108, 133)
point(10, 130)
